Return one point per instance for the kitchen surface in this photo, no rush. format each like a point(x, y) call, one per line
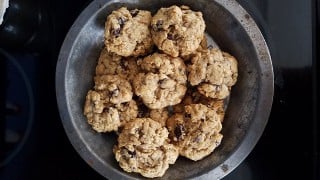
point(33, 143)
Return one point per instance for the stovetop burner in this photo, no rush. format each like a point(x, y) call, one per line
point(18, 108)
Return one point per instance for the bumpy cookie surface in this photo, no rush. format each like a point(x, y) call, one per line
point(127, 111)
point(177, 30)
point(101, 119)
point(111, 64)
point(104, 116)
point(162, 82)
point(194, 97)
point(117, 89)
point(143, 148)
point(127, 32)
point(215, 71)
point(214, 91)
point(196, 132)
point(159, 115)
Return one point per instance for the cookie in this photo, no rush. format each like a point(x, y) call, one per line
point(104, 116)
point(203, 45)
point(143, 148)
point(214, 104)
point(196, 132)
point(194, 97)
point(131, 68)
point(127, 32)
point(101, 119)
point(163, 104)
point(127, 111)
point(177, 31)
point(162, 82)
point(214, 91)
point(118, 90)
point(111, 64)
point(215, 71)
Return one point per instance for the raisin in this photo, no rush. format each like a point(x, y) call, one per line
point(116, 32)
point(132, 154)
point(127, 154)
point(197, 139)
point(123, 64)
point(120, 130)
point(106, 110)
point(134, 12)
point(157, 26)
point(160, 82)
point(143, 111)
point(178, 131)
point(121, 21)
point(126, 104)
point(170, 36)
point(139, 131)
point(115, 92)
point(186, 115)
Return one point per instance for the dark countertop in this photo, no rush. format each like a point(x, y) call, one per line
point(287, 148)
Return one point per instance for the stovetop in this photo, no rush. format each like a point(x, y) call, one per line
point(33, 143)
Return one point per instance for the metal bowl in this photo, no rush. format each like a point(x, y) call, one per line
point(232, 29)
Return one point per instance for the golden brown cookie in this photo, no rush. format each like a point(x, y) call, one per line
point(111, 64)
point(104, 116)
point(127, 32)
point(177, 31)
point(194, 97)
point(196, 131)
point(214, 71)
point(101, 119)
point(214, 91)
point(143, 148)
point(118, 90)
point(127, 111)
point(162, 82)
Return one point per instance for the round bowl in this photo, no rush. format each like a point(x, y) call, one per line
point(232, 29)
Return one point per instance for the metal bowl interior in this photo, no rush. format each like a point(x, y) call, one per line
point(249, 106)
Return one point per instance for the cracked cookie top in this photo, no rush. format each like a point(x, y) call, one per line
point(162, 82)
point(196, 131)
point(112, 64)
point(117, 89)
point(177, 31)
point(195, 97)
point(127, 32)
point(143, 148)
point(104, 116)
point(214, 71)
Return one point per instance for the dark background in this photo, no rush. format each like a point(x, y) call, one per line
point(30, 40)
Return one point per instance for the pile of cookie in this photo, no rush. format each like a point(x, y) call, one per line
point(160, 88)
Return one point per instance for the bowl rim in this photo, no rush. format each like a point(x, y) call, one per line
point(249, 140)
